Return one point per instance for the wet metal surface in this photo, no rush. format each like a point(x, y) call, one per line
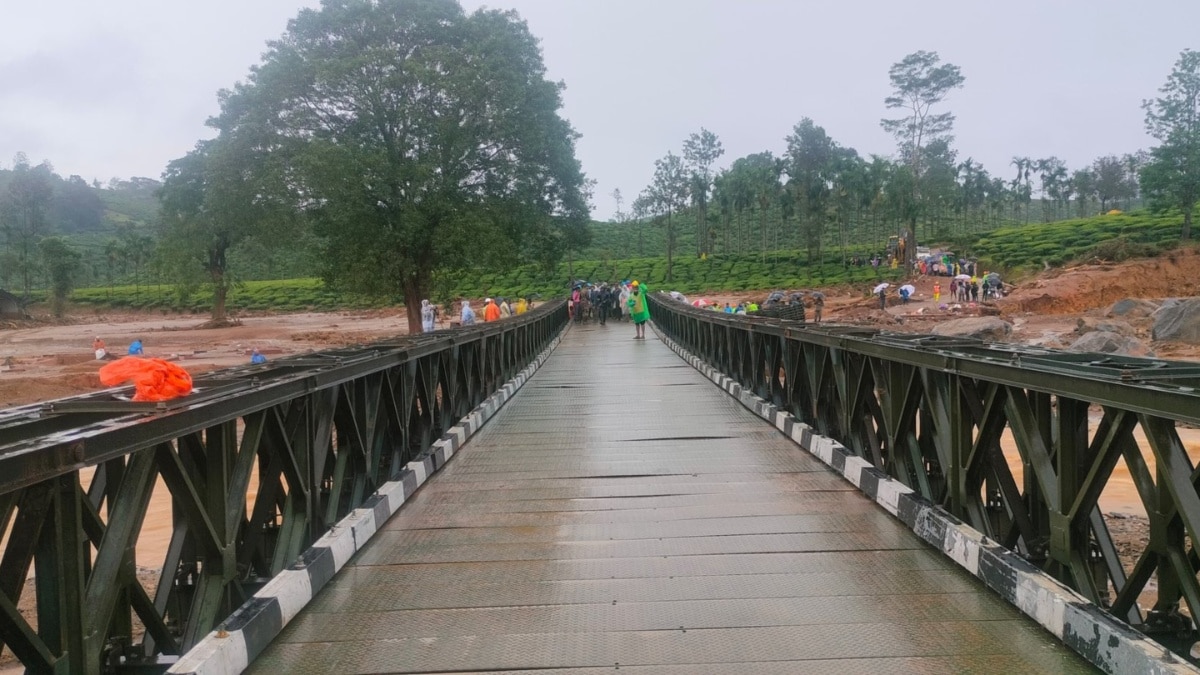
point(621, 512)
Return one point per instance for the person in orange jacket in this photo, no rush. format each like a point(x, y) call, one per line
point(490, 311)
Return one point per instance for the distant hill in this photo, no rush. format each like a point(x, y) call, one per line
point(131, 202)
point(79, 207)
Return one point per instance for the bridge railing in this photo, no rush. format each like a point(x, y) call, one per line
point(933, 411)
point(259, 462)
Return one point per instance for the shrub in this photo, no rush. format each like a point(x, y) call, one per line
point(1120, 249)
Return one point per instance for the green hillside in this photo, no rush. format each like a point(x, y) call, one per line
point(1010, 249)
point(1032, 246)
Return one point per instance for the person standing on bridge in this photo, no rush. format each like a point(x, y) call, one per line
point(490, 311)
point(426, 316)
point(468, 314)
point(639, 309)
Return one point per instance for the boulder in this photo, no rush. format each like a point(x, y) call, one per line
point(1178, 322)
point(1132, 308)
point(1167, 304)
point(1087, 324)
point(984, 327)
point(1108, 342)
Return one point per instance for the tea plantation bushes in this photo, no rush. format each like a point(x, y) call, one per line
point(782, 269)
point(287, 295)
point(1028, 246)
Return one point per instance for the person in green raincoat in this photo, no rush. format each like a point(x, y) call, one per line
point(639, 309)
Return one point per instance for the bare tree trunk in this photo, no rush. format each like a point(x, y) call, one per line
point(412, 303)
point(670, 245)
point(220, 294)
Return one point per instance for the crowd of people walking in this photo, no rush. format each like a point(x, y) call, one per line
point(597, 303)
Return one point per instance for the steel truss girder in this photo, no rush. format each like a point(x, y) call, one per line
point(259, 465)
point(932, 412)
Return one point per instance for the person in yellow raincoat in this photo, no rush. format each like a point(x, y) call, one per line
point(522, 306)
point(639, 309)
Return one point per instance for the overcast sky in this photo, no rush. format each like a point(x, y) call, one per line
point(121, 87)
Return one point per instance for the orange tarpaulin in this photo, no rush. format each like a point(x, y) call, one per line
point(154, 379)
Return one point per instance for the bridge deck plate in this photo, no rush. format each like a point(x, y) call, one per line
point(622, 512)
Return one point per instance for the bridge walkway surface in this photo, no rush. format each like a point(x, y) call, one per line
point(622, 513)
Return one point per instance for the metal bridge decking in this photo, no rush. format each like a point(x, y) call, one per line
point(623, 513)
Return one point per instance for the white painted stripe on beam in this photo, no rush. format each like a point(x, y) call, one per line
point(962, 546)
point(853, 469)
point(419, 469)
point(340, 540)
point(822, 447)
point(364, 528)
point(888, 495)
point(1043, 599)
point(215, 656)
point(394, 492)
point(798, 430)
point(292, 589)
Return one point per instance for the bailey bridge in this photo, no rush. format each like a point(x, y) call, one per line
point(729, 495)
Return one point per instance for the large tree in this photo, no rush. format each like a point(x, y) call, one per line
point(25, 215)
point(212, 200)
point(1171, 177)
point(809, 161)
point(700, 151)
point(667, 195)
point(62, 264)
point(920, 81)
point(1112, 183)
point(417, 137)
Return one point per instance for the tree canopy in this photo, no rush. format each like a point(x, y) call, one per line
point(920, 81)
point(212, 201)
point(416, 137)
point(1171, 177)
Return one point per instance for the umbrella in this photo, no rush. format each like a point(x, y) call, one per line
point(963, 277)
point(881, 287)
point(994, 275)
point(700, 303)
point(817, 294)
point(908, 288)
point(676, 295)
